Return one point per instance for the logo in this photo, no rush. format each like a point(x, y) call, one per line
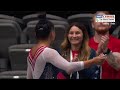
point(106, 19)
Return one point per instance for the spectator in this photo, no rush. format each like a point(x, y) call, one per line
point(103, 42)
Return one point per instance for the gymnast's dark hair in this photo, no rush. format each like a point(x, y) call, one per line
point(43, 27)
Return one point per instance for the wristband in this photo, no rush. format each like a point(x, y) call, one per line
point(107, 52)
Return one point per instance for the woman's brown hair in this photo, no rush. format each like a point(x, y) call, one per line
point(84, 49)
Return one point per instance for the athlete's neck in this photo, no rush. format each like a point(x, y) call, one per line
point(44, 43)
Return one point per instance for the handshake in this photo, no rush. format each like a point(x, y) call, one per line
point(98, 60)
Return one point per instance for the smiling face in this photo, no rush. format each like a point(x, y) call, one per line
point(75, 35)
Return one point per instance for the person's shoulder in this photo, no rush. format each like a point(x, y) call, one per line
point(114, 44)
point(114, 39)
point(48, 49)
point(49, 52)
point(91, 39)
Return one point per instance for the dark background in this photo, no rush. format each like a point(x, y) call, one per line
point(62, 13)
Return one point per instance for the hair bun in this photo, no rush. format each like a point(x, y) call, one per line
point(42, 21)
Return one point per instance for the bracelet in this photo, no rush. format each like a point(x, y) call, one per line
point(107, 52)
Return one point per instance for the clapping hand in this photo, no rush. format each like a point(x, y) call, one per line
point(75, 59)
point(102, 46)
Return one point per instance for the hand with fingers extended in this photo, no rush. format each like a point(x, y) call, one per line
point(102, 46)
